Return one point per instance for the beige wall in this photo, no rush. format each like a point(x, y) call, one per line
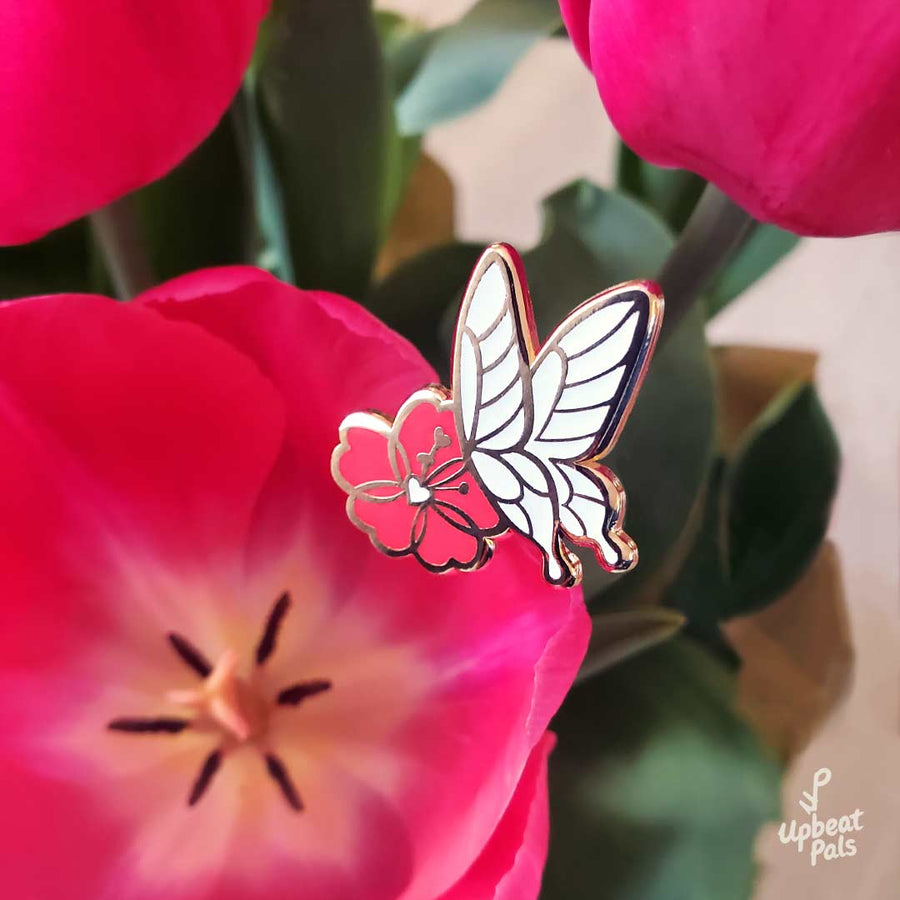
point(840, 298)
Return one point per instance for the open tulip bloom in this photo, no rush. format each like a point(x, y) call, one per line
point(212, 685)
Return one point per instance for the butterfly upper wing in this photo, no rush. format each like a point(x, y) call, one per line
point(583, 384)
point(493, 350)
point(495, 341)
point(587, 373)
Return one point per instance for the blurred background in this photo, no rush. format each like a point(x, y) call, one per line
point(837, 298)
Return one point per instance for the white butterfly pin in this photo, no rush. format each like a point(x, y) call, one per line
point(517, 444)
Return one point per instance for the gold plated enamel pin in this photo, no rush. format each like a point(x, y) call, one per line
point(516, 444)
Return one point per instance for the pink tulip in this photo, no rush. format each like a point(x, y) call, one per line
point(101, 97)
point(791, 108)
point(212, 686)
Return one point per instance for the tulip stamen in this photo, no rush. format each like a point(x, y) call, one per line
point(149, 726)
point(207, 772)
point(279, 773)
point(266, 645)
point(190, 654)
point(297, 693)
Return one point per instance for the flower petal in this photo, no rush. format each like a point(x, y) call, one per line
point(505, 679)
point(327, 357)
point(39, 812)
point(512, 862)
point(576, 15)
point(442, 541)
point(363, 457)
point(100, 98)
point(123, 441)
point(390, 523)
point(417, 429)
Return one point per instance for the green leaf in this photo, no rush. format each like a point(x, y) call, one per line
point(657, 787)
point(765, 246)
point(404, 44)
point(673, 193)
point(701, 589)
point(620, 634)
point(779, 492)
point(325, 107)
point(198, 215)
point(765, 515)
point(466, 62)
point(592, 239)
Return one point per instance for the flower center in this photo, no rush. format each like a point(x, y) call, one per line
point(416, 492)
point(232, 706)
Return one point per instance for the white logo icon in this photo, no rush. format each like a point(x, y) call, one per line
point(817, 833)
point(820, 779)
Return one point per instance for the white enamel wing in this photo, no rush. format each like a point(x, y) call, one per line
point(533, 424)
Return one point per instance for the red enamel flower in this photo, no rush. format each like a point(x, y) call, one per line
point(408, 486)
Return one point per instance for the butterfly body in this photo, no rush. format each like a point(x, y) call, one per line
point(531, 423)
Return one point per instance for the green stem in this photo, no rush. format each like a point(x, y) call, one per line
point(118, 233)
point(716, 228)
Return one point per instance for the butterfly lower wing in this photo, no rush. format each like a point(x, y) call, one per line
point(524, 492)
point(583, 385)
point(592, 504)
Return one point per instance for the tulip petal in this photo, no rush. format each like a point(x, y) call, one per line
point(512, 862)
point(101, 98)
point(123, 442)
point(328, 358)
point(576, 16)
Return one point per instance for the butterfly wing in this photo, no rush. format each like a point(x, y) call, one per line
point(533, 427)
point(584, 382)
point(495, 343)
point(492, 354)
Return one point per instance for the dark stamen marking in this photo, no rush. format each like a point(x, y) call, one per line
point(210, 767)
point(149, 726)
point(280, 774)
point(297, 693)
point(273, 624)
point(190, 654)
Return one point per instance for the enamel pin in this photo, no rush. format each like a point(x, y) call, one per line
point(517, 443)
